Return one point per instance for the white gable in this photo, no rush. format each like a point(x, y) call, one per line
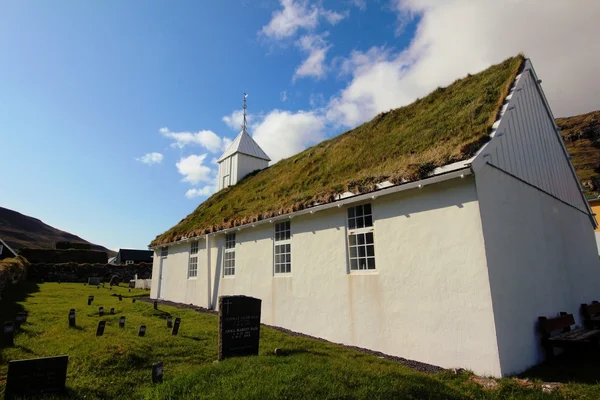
point(244, 144)
point(526, 143)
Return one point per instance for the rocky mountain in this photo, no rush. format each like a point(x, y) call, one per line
point(581, 134)
point(19, 230)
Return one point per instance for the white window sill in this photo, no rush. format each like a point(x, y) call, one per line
point(228, 276)
point(279, 275)
point(364, 272)
point(192, 278)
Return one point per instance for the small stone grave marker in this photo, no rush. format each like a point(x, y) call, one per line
point(100, 329)
point(98, 287)
point(120, 298)
point(20, 319)
point(112, 310)
point(36, 377)
point(142, 331)
point(169, 321)
point(9, 333)
point(133, 300)
point(72, 318)
point(101, 311)
point(157, 372)
point(90, 299)
point(93, 281)
point(155, 305)
point(129, 290)
point(122, 322)
point(239, 326)
point(102, 285)
point(176, 326)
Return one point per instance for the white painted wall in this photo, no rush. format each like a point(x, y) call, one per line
point(542, 259)
point(234, 168)
point(428, 300)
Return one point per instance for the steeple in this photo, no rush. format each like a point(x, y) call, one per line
point(242, 157)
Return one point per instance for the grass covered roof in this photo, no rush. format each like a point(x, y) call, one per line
point(448, 125)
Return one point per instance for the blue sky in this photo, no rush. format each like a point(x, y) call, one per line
point(111, 113)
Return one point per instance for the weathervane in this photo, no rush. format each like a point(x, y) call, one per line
point(245, 106)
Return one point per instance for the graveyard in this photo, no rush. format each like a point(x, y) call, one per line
point(117, 361)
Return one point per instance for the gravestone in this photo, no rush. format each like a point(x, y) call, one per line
point(36, 377)
point(169, 321)
point(157, 372)
point(120, 298)
point(142, 330)
point(72, 318)
point(110, 287)
point(156, 305)
point(102, 285)
point(122, 322)
point(100, 329)
point(133, 300)
point(101, 311)
point(115, 280)
point(112, 310)
point(84, 283)
point(239, 326)
point(131, 284)
point(98, 287)
point(176, 326)
point(90, 299)
point(20, 319)
point(94, 281)
point(9, 334)
point(129, 290)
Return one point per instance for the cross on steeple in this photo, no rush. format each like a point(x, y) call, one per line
point(244, 124)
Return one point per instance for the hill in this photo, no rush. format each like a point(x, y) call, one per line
point(19, 230)
point(581, 134)
point(448, 125)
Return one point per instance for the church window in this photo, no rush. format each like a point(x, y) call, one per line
point(283, 248)
point(229, 256)
point(361, 241)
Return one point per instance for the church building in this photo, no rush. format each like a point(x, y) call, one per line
point(438, 232)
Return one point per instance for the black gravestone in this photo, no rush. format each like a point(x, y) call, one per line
point(72, 319)
point(133, 300)
point(122, 322)
point(239, 326)
point(120, 298)
point(110, 287)
point(101, 311)
point(129, 290)
point(176, 326)
point(36, 377)
point(90, 299)
point(169, 321)
point(156, 305)
point(142, 330)
point(157, 372)
point(94, 281)
point(20, 319)
point(112, 310)
point(98, 287)
point(100, 329)
point(9, 333)
point(102, 285)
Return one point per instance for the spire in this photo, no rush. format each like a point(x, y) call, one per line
point(244, 124)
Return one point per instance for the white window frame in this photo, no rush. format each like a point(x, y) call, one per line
point(358, 237)
point(229, 255)
point(282, 236)
point(193, 260)
point(128, 262)
point(164, 251)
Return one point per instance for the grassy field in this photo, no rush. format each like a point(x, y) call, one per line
point(118, 364)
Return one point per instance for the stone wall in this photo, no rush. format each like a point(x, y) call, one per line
point(12, 270)
point(72, 272)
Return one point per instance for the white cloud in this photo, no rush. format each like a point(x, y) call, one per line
point(151, 158)
point(204, 191)
point(282, 134)
point(457, 37)
point(193, 169)
point(235, 119)
point(298, 14)
point(314, 65)
point(284, 96)
point(205, 138)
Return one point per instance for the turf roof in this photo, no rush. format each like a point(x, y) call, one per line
point(448, 125)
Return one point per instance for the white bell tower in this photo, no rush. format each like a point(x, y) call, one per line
point(241, 158)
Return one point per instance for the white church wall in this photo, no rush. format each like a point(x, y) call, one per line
point(428, 299)
point(247, 164)
point(155, 267)
point(542, 259)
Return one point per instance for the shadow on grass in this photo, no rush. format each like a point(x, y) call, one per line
point(12, 295)
point(576, 366)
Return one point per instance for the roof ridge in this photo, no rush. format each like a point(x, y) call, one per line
point(245, 144)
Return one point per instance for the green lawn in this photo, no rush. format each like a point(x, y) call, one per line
point(118, 364)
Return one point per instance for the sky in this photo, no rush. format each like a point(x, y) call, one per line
point(113, 113)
